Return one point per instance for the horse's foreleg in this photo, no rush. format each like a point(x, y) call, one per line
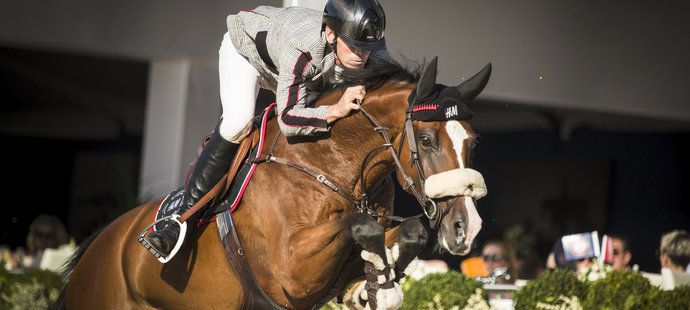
point(379, 289)
point(403, 243)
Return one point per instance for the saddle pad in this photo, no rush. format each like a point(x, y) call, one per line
point(173, 201)
point(244, 175)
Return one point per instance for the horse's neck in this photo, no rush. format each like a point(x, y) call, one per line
point(342, 155)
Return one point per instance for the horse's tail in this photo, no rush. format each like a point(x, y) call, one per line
point(69, 266)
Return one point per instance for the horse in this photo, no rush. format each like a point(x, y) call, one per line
point(303, 240)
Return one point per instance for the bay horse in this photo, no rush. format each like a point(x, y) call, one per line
point(302, 239)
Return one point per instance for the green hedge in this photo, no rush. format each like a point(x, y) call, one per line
point(559, 289)
point(443, 291)
point(32, 289)
point(678, 298)
point(550, 288)
point(616, 290)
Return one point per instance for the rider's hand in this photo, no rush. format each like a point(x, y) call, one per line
point(346, 103)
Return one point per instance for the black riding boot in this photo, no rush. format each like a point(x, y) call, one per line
point(212, 164)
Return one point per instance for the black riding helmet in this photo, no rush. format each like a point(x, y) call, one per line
point(360, 23)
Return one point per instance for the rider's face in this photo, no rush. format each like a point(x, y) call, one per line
point(346, 55)
point(350, 56)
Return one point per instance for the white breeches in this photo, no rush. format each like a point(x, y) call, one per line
point(239, 86)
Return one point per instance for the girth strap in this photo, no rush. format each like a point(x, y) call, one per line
point(254, 295)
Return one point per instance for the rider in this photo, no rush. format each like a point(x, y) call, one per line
point(294, 52)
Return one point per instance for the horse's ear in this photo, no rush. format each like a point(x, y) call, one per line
point(472, 87)
point(428, 80)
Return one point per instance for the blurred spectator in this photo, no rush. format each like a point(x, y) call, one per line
point(529, 249)
point(45, 232)
point(551, 261)
point(621, 253)
point(496, 254)
point(674, 250)
point(559, 260)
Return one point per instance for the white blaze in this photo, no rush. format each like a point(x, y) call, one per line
point(475, 223)
point(457, 135)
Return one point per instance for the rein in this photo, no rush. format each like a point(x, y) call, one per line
point(362, 203)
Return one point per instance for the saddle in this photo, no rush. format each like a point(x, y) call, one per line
point(231, 186)
point(235, 182)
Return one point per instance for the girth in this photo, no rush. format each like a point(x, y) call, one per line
point(254, 296)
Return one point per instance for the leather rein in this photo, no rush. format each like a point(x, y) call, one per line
point(362, 202)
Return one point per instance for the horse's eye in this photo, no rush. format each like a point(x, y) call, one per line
point(474, 142)
point(425, 140)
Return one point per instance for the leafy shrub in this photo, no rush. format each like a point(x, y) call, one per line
point(553, 287)
point(449, 290)
point(333, 305)
point(33, 289)
point(620, 290)
point(561, 289)
point(678, 298)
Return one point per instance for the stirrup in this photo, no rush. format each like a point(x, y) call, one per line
point(180, 238)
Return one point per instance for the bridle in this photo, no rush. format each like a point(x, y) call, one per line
point(429, 207)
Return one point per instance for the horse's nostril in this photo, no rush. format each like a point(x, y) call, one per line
point(459, 230)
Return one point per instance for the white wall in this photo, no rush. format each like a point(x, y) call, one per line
point(165, 119)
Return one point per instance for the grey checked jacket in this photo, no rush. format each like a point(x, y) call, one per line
point(303, 61)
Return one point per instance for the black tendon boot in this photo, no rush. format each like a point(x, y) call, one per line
point(212, 164)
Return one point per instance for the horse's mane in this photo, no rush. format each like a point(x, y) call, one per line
point(377, 72)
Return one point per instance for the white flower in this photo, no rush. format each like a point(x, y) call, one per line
point(476, 301)
point(594, 272)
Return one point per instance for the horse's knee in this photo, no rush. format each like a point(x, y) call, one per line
point(412, 238)
point(413, 234)
point(366, 232)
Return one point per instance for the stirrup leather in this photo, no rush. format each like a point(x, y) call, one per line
point(174, 219)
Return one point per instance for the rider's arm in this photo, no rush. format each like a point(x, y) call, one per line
point(294, 118)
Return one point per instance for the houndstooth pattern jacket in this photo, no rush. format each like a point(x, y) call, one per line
point(303, 61)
